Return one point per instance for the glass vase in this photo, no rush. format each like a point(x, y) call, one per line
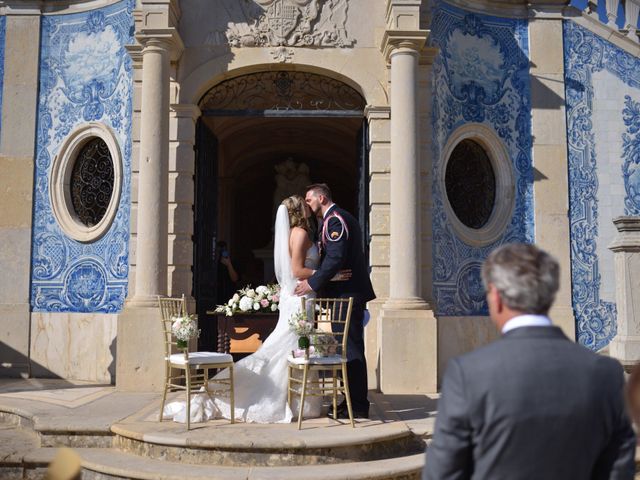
point(182, 344)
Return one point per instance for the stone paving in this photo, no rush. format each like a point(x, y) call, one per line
point(118, 436)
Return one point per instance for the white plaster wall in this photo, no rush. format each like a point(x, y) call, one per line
point(608, 127)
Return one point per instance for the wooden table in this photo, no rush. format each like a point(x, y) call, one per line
point(244, 333)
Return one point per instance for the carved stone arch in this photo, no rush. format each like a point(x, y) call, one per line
point(282, 90)
point(198, 82)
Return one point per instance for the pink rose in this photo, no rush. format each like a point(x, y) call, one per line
point(276, 298)
point(264, 303)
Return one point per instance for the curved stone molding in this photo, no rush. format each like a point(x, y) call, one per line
point(480, 79)
point(502, 212)
point(274, 23)
point(59, 183)
point(282, 90)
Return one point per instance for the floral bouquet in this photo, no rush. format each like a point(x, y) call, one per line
point(301, 326)
point(264, 298)
point(184, 329)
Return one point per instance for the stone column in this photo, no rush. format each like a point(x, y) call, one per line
point(408, 328)
point(626, 247)
point(404, 288)
point(17, 161)
point(142, 369)
point(151, 248)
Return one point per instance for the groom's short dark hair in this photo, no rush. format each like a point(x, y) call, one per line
point(320, 189)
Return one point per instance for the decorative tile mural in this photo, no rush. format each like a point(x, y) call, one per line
point(602, 85)
point(481, 75)
point(85, 75)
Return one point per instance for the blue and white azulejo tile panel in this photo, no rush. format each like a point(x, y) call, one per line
point(480, 75)
point(85, 75)
point(602, 85)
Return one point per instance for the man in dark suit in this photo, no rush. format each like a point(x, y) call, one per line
point(340, 244)
point(533, 404)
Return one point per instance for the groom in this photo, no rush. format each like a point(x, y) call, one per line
point(340, 242)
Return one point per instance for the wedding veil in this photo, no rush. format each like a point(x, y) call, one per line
point(281, 255)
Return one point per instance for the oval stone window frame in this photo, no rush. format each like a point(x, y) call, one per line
point(60, 180)
point(504, 203)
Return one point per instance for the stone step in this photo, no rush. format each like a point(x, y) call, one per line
point(321, 441)
point(66, 435)
point(103, 464)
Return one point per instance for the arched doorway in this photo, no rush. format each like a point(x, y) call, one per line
point(264, 136)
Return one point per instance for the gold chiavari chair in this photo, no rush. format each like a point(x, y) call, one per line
point(182, 369)
point(331, 318)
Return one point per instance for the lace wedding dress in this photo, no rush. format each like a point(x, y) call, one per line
point(261, 378)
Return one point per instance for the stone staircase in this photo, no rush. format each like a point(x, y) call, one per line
point(138, 447)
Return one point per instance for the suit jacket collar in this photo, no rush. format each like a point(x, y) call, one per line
point(552, 332)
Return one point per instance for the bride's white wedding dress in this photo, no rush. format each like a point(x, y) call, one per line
point(261, 378)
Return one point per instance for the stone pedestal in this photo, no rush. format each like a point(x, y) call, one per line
point(140, 354)
point(408, 351)
point(626, 247)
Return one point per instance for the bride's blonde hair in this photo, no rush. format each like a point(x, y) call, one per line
point(296, 208)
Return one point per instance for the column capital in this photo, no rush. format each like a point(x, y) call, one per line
point(22, 7)
point(135, 52)
point(402, 41)
point(377, 112)
point(167, 39)
point(185, 110)
point(628, 238)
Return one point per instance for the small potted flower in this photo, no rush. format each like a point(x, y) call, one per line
point(302, 327)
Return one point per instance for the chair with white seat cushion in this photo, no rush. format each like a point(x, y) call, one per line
point(182, 369)
point(331, 318)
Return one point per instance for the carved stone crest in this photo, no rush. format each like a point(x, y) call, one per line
point(277, 23)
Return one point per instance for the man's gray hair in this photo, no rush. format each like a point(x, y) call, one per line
point(526, 277)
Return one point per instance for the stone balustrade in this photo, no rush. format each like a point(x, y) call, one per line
point(609, 12)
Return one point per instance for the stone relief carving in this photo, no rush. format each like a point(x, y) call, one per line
point(282, 54)
point(275, 23)
point(291, 178)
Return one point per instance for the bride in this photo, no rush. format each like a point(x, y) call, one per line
point(261, 378)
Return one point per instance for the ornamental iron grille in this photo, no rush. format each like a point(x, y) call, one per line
point(471, 184)
point(281, 91)
point(91, 182)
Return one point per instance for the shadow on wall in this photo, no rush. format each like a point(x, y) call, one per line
point(543, 97)
point(14, 364)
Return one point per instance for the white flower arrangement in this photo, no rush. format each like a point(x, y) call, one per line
point(184, 328)
point(300, 325)
point(264, 298)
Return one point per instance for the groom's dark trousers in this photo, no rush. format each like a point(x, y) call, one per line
point(341, 248)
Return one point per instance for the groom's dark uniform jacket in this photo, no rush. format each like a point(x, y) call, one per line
point(341, 248)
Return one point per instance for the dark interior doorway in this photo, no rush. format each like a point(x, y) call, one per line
point(247, 161)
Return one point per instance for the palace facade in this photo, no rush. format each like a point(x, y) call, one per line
point(137, 134)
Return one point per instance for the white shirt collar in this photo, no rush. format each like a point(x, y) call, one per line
point(327, 210)
point(526, 321)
